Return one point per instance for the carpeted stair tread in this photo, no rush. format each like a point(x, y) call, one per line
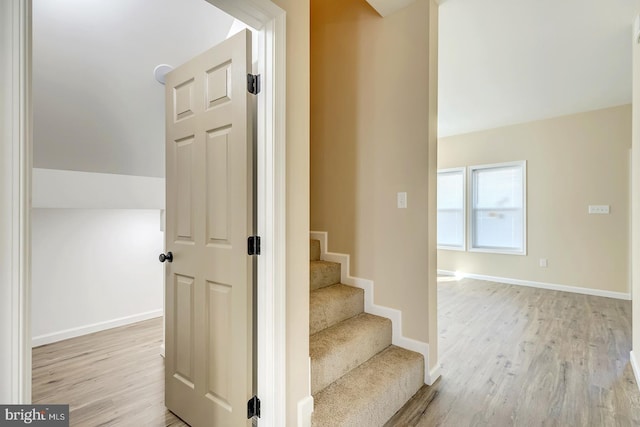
point(323, 273)
point(333, 304)
point(339, 349)
point(314, 250)
point(370, 394)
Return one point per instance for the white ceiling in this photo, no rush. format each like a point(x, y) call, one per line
point(511, 61)
point(97, 106)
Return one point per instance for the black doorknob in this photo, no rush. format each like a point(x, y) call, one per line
point(168, 257)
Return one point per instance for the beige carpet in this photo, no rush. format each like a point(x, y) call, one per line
point(357, 377)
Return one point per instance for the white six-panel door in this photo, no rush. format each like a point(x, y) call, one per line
point(209, 215)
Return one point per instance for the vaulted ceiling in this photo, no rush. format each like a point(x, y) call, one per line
point(97, 106)
point(510, 61)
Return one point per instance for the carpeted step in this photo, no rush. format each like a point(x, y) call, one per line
point(344, 346)
point(333, 304)
point(323, 273)
point(314, 250)
point(370, 394)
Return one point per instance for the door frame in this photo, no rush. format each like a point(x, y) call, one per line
point(15, 199)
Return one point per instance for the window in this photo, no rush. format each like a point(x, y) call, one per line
point(497, 211)
point(451, 209)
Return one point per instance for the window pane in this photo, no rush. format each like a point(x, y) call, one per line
point(500, 229)
point(450, 190)
point(497, 211)
point(450, 228)
point(498, 187)
point(451, 215)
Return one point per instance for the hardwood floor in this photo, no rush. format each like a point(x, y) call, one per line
point(110, 378)
point(517, 356)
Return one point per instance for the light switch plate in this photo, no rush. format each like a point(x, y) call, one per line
point(599, 209)
point(402, 200)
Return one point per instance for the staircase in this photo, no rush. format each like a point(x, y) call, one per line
point(357, 377)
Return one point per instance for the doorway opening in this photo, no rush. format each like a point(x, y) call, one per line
point(98, 181)
point(270, 19)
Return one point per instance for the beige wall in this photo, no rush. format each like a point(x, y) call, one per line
point(572, 162)
point(297, 176)
point(370, 132)
point(635, 200)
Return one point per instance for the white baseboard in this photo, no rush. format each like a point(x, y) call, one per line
point(305, 409)
point(434, 374)
point(370, 307)
point(94, 327)
point(634, 365)
point(541, 285)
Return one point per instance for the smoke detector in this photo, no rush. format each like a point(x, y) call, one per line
point(160, 71)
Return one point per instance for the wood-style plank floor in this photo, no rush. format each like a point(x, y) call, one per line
point(511, 356)
point(110, 378)
point(517, 356)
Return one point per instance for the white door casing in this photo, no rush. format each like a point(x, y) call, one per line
point(210, 214)
point(15, 198)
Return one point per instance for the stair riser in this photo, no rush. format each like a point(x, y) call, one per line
point(323, 274)
point(338, 350)
point(333, 304)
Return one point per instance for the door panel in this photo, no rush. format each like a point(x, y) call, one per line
point(219, 324)
point(210, 193)
point(219, 85)
point(184, 329)
point(218, 186)
point(184, 100)
point(184, 213)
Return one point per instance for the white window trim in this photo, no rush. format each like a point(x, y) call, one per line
point(462, 248)
point(470, 169)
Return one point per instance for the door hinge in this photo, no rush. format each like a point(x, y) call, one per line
point(253, 407)
point(253, 244)
point(253, 83)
